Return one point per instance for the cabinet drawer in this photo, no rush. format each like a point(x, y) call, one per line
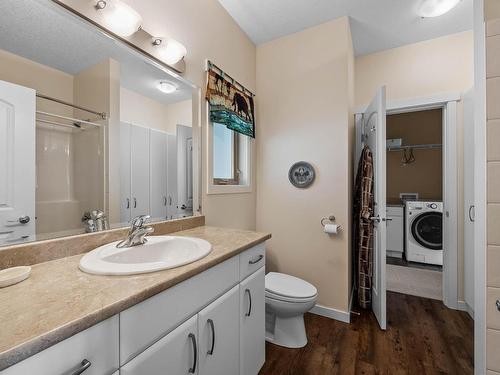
point(174, 354)
point(251, 260)
point(97, 344)
point(147, 322)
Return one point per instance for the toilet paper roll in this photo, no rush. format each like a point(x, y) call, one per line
point(332, 228)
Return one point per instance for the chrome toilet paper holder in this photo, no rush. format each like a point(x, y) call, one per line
point(330, 219)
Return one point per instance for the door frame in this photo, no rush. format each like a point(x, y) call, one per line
point(448, 102)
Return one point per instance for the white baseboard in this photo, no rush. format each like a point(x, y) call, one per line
point(328, 312)
point(464, 306)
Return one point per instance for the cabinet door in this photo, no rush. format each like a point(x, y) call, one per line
point(125, 195)
point(175, 354)
point(158, 188)
point(172, 177)
point(218, 330)
point(140, 170)
point(252, 323)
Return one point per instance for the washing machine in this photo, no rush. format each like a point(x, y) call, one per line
point(424, 232)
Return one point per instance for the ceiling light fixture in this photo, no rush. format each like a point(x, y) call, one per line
point(436, 8)
point(167, 87)
point(170, 50)
point(119, 17)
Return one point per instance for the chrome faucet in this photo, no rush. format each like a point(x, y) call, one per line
point(137, 233)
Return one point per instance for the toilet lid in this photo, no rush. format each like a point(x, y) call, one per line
point(289, 286)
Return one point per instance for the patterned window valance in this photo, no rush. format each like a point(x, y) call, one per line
point(230, 105)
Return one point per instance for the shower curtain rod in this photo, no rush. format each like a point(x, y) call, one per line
point(75, 120)
point(59, 124)
point(102, 115)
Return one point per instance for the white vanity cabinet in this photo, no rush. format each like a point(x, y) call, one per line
point(176, 353)
point(219, 335)
point(210, 324)
point(252, 323)
point(97, 346)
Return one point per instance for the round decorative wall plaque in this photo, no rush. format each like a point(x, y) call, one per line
point(301, 175)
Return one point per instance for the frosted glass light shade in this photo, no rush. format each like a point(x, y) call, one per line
point(436, 8)
point(119, 17)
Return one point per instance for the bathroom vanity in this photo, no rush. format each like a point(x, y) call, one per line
point(207, 317)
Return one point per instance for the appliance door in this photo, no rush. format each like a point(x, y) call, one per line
point(427, 230)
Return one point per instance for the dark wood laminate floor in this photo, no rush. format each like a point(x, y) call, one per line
point(423, 337)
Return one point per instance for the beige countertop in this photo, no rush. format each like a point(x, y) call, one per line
point(59, 300)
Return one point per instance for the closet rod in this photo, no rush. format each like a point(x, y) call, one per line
point(59, 124)
point(430, 146)
point(68, 118)
point(102, 115)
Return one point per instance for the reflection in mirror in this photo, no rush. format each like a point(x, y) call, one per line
point(92, 133)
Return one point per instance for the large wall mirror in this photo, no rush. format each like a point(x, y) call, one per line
point(92, 132)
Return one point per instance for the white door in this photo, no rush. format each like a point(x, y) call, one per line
point(158, 188)
point(140, 170)
point(125, 158)
point(172, 176)
point(374, 128)
point(469, 204)
point(17, 163)
point(252, 323)
point(218, 330)
point(175, 354)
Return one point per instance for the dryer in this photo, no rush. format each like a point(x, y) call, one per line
point(424, 232)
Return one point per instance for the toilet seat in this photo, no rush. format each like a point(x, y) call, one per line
point(289, 288)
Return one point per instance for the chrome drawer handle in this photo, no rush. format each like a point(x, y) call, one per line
point(250, 302)
point(255, 261)
point(212, 326)
point(192, 370)
point(83, 366)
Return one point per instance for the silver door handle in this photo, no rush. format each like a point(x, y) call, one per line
point(128, 202)
point(83, 367)
point(135, 202)
point(257, 260)
point(21, 220)
point(212, 326)
point(192, 370)
point(471, 217)
point(164, 201)
point(386, 219)
point(376, 218)
point(249, 312)
point(498, 305)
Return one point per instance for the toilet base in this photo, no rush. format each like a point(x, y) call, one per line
point(289, 332)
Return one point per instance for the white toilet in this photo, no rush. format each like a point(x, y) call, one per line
point(288, 298)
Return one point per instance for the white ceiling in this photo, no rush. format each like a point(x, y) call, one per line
point(375, 24)
point(45, 33)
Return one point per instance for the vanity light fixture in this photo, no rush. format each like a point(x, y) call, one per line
point(170, 50)
point(167, 87)
point(119, 17)
point(436, 8)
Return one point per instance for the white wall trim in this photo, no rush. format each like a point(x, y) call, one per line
point(480, 188)
point(418, 103)
point(464, 306)
point(450, 206)
point(328, 312)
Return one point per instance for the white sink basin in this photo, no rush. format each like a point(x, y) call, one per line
point(159, 253)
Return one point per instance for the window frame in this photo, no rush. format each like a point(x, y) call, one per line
point(235, 162)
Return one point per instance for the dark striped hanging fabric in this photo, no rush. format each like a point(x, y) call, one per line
point(230, 105)
point(363, 228)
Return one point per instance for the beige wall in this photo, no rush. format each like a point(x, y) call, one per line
point(493, 194)
point(208, 32)
point(435, 66)
point(140, 110)
point(304, 114)
point(425, 175)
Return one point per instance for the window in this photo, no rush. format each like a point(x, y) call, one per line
point(225, 156)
